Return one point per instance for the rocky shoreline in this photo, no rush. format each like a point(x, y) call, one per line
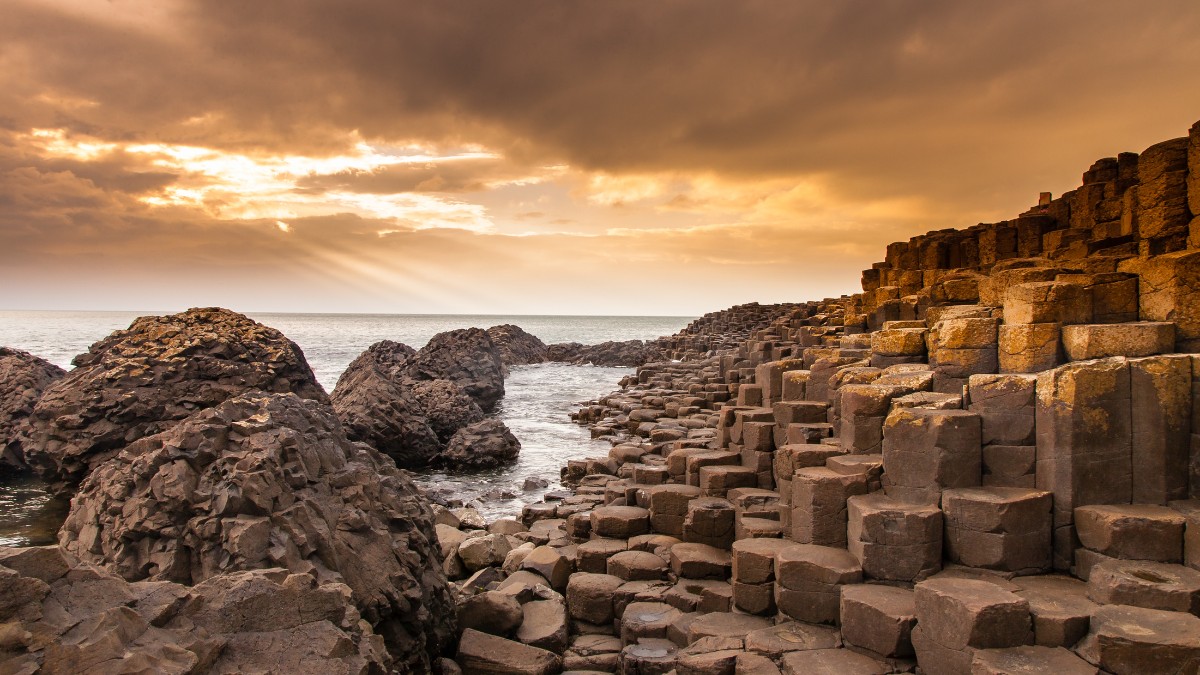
point(988, 461)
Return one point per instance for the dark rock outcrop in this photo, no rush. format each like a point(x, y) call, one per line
point(517, 347)
point(145, 379)
point(23, 378)
point(630, 353)
point(466, 357)
point(372, 401)
point(63, 616)
point(482, 445)
point(264, 481)
point(446, 407)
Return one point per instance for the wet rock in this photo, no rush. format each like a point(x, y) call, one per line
point(483, 445)
point(145, 379)
point(516, 347)
point(265, 481)
point(23, 378)
point(534, 483)
point(467, 357)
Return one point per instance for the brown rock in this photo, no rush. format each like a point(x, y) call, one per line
point(490, 612)
point(590, 597)
point(485, 444)
point(482, 653)
point(1136, 641)
point(544, 625)
point(1025, 659)
point(1098, 341)
point(1132, 531)
point(842, 661)
point(145, 379)
point(23, 378)
point(700, 561)
point(263, 481)
point(878, 618)
point(1142, 583)
point(893, 540)
point(1060, 608)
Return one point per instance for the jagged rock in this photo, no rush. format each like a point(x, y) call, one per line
point(23, 378)
point(446, 407)
point(145, 379)
point(265, 481)
point(483, 445)
point(373, 404)
point(631, 353)
point(516, 347)
point(466, 357)
point(88, 620)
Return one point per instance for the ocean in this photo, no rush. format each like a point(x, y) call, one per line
point(536, 405)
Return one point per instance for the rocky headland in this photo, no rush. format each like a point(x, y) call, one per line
point(988, 461)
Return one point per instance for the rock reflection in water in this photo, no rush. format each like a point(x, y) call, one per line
point(29, 515)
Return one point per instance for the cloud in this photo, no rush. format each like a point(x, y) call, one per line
point(755, 148)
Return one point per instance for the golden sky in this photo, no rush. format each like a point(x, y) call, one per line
point(544, 156)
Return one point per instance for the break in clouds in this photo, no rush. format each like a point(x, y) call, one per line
point(456, 156)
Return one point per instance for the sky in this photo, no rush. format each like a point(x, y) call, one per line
point(545, 156)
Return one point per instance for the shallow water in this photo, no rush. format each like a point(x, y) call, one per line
point(536, 405)
point(29, 516)
point(537, 400)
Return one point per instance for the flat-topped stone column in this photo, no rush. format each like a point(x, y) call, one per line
point(894, 540)
point(926, 451)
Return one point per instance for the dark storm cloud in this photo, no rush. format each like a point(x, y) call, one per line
point(896, 94)
point(867, 120)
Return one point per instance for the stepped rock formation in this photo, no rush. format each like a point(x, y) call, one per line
point(373, 403)
point(270, 481)
point(986, 462)
point(65, 617)
point(23, 378)
point(517, 347)
point(145, 379)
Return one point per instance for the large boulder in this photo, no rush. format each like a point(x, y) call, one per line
point(145, 379)
point(630, 353)
point(23, 378)
point(371, 399)
point(63, 616)
point(466, 357)
point(483, 445)
point(516, 347)
point(447, 408)
point(264, 481)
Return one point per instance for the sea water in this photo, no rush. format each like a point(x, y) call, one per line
point(538, 398)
